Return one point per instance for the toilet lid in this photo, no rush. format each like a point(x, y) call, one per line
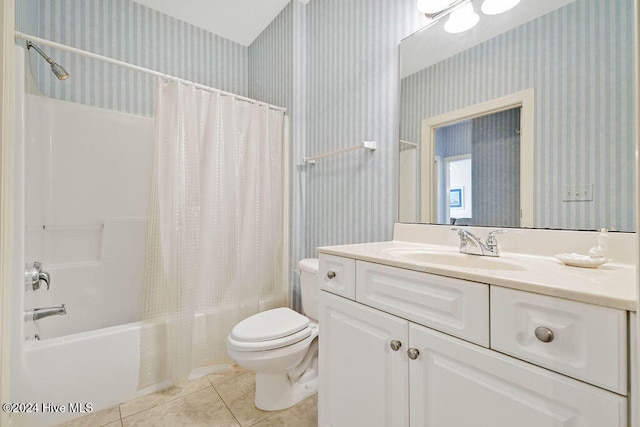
point(270, 344)
point(269, 325)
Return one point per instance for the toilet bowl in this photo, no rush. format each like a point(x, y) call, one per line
point(281, 346)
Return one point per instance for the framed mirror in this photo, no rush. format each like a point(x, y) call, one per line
point(578, 59)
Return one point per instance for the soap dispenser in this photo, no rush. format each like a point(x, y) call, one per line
point(599, 250)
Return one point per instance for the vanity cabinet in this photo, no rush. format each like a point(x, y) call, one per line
point(389, 356)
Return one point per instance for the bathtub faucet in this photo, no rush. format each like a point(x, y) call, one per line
point(39, 313)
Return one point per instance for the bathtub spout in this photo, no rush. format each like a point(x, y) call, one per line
point(39, 313)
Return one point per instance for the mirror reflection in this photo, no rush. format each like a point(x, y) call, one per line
point(477, 168)
point(579, 62)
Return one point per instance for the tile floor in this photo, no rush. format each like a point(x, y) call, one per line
point(224, 398)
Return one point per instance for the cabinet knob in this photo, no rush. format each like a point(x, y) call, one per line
point(413, 353)
point(331, 274)
point(395, 345)
point(544, 334)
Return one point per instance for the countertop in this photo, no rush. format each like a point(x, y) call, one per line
point(610, 285)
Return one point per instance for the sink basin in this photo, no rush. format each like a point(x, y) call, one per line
point(454, 259)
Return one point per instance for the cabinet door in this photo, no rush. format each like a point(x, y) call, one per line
point(457, 384)
point(363, 381)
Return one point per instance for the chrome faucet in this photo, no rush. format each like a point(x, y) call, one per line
point(39, 313)
point(472, 245)
point(34, 274)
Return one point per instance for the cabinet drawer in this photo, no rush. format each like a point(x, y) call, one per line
point(453, 306)
point(581, 340)
point(337, 275)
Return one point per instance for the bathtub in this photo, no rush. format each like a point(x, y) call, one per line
point(82, 179)
point(97, 367)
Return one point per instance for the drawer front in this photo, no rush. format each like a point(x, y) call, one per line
point(337, 275)
point(584, 341)
point(453, 306)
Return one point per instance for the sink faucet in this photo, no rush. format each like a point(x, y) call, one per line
point(472, 245)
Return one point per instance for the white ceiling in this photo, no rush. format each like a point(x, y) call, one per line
point(241, 21)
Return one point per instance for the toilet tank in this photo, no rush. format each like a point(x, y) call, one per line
point(308, 287)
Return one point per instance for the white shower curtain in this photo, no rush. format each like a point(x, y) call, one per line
point(215, 246)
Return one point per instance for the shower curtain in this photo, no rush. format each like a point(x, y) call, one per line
point(215, 246)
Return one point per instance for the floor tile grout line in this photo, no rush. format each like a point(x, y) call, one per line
point(231, 410)
point(226, 406)
point(214, 387)
point(258, 422)
point(159, 404)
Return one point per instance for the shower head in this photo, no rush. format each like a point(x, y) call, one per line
point(56, 68)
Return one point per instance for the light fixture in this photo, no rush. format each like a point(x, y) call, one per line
point(461, 14)
point(435, 9)
point(462, 19)
point(432, 6)
point(494, 7)
point(56, 68)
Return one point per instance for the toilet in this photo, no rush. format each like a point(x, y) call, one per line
point(281, 346)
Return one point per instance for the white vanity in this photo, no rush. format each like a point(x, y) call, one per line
point(415, 334)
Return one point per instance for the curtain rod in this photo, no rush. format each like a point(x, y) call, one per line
point(45, 42)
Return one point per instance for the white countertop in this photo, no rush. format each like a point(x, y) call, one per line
point(610, 285)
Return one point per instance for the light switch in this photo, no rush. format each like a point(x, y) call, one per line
point(577, 193)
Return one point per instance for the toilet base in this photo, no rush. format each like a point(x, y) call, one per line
point(274, 391)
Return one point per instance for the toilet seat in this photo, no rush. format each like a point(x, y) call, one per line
point(269, 330)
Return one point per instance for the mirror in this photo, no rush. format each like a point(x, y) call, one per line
point(578, 61)
point(477, 171)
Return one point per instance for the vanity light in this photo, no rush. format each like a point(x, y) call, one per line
point(461, 14)
point(462, 19)
point(494, 7)
point(432, 6)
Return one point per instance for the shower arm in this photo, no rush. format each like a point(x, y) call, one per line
point(56, 68)
point(44, 55)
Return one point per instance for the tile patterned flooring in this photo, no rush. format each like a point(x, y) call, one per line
point(224, 398)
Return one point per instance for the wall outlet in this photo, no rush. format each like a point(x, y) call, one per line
point(577, 193)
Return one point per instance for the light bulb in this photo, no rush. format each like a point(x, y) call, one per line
point(494, 7)
point(462, 19)
point(432, 6)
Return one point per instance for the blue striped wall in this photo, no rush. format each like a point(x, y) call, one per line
point(496, 169)
point(130, 32)
point(27, 16)
point(580, 60)
point(277, 76)
point(352, 95)
point(341, 58)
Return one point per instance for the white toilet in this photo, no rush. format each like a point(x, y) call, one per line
point(281, 346)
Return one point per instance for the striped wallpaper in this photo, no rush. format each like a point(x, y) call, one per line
point(495, 150)
point(352, 95)
point(277, 75)
point(130, 32)
point(580, 60)
point(334, 64)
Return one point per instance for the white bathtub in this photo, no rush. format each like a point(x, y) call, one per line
point(98, 367)
point(81, 193)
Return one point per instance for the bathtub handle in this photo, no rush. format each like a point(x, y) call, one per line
point(34, 275)
point(44, 276)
